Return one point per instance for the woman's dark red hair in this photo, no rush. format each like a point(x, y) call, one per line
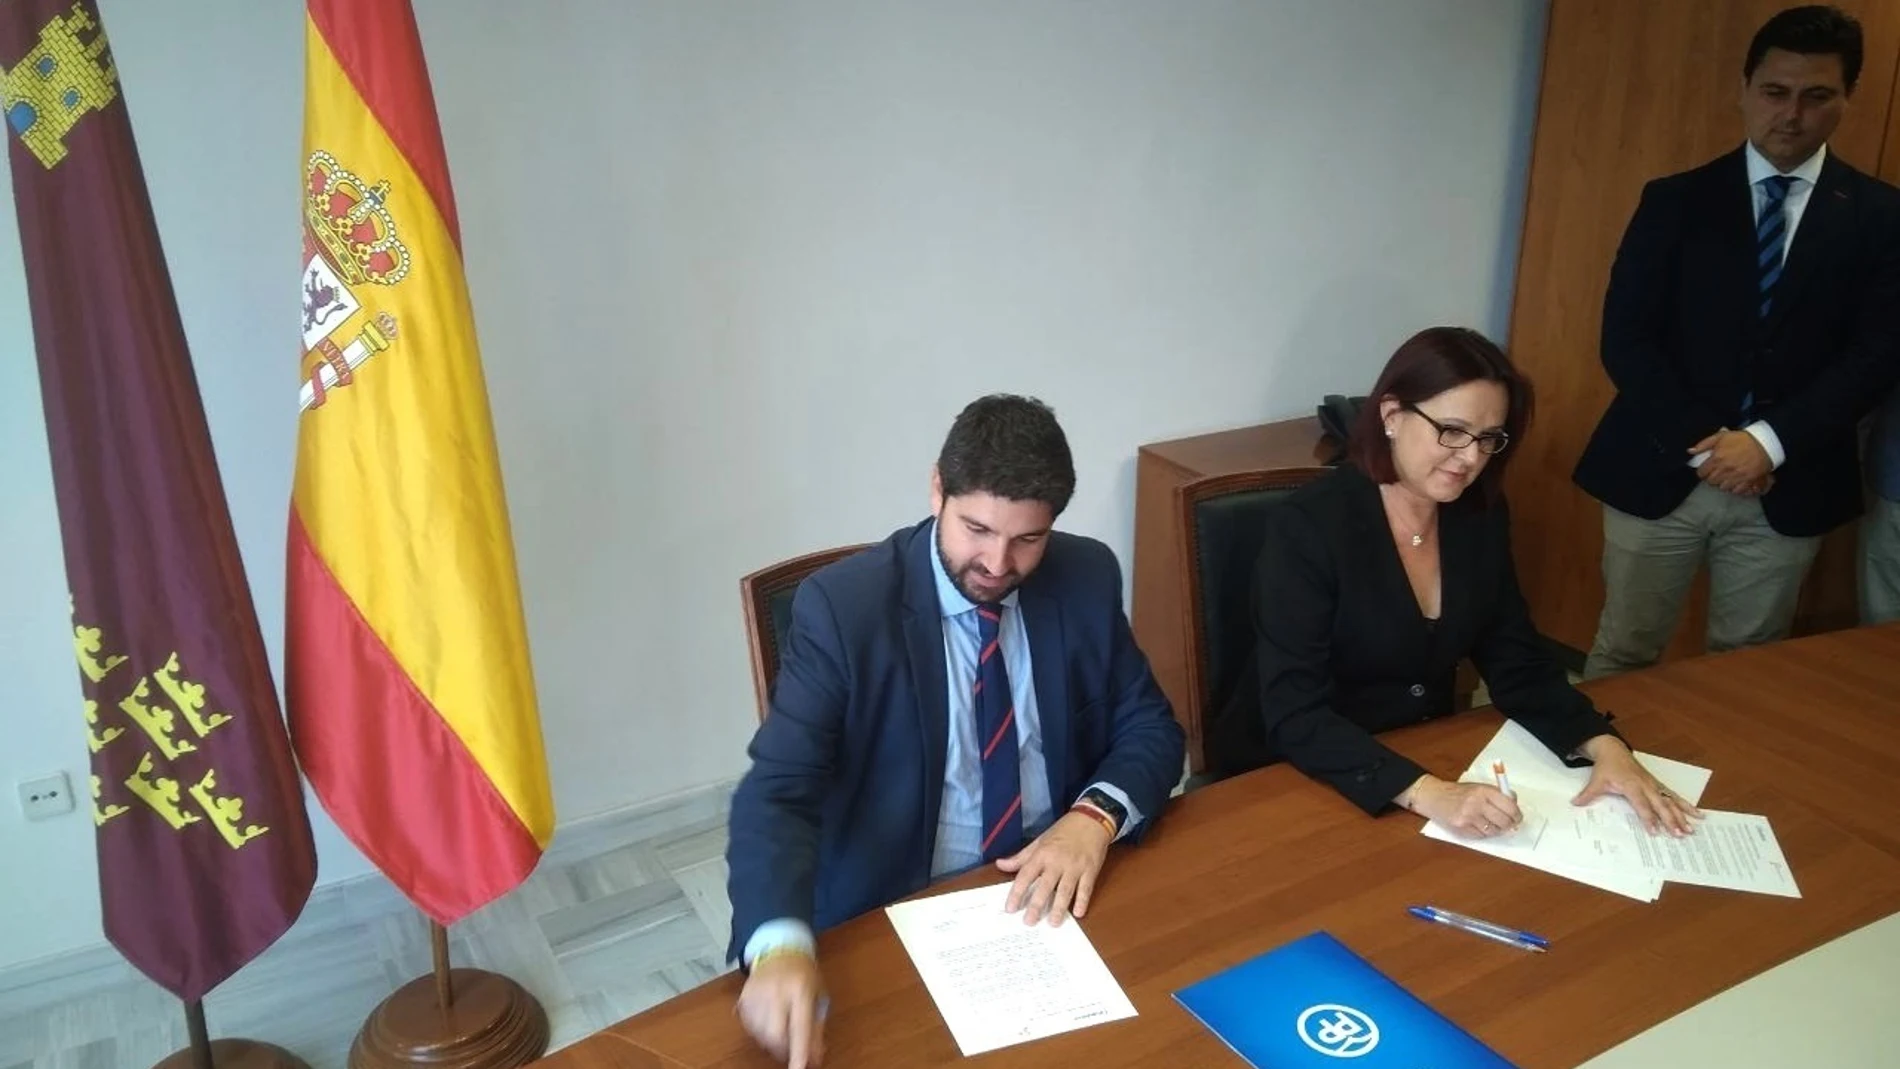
point(1430, 362)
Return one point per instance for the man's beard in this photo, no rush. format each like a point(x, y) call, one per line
point(959, 577)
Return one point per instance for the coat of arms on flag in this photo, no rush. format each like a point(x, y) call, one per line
point(350, 244)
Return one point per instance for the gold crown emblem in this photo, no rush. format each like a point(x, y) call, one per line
point(351, 224)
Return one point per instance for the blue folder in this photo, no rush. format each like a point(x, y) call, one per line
point(1315, 1003)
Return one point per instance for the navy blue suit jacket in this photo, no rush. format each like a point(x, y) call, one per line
point(838, 813)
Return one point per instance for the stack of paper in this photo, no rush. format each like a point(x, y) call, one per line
point(1604, 844)
point(998, 981)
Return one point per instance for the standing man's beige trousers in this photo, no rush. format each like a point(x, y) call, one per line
point(1755, 577)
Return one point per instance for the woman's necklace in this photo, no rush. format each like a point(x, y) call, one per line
point(1417, 536)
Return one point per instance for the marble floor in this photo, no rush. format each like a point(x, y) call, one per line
point(625, 911)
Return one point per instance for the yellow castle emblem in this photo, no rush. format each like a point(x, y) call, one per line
point(68, 75)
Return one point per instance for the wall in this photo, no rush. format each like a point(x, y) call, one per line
point(736, 267)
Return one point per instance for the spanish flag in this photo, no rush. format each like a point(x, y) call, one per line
point(407, 677)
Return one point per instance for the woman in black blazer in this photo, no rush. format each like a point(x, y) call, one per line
point(1376, 580)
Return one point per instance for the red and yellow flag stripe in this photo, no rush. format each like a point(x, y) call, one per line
point(409, 685)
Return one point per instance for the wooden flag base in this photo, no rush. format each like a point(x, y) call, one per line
point(453, 1019)
point(225, 1053)
point(493, 1024)
point(237, 1054)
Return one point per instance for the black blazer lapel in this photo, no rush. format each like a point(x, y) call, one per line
point(1459, 538)
point(923, 642)
point(1823, 225)
point(1042, 615)
point(1372, 543)
point(1733, 201)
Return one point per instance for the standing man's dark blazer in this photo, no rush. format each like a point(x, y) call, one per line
point(1684, 343)
point(838, 813)
point(1344, 652)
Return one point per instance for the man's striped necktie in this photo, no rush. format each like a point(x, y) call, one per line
point(1771, 238)
point(996, 730)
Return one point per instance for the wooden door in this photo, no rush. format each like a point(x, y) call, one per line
point(1634, 90)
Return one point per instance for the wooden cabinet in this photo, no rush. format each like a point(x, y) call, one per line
point(1633, 90)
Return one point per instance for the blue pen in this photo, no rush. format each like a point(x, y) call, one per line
point(1486, 929)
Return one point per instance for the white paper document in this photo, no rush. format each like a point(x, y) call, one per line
point(998, 981)
point(1738, 851)
point(1590, 844)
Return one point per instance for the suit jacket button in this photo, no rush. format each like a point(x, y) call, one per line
point(1418, 690)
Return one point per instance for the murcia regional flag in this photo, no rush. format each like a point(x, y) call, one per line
point(205, 856)
point(410, 692)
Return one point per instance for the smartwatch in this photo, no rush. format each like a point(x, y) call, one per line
point(1103, 801)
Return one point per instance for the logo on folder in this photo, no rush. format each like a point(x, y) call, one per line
point(1339, 1031)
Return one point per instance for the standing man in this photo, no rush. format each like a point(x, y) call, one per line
point(1751, 321)
point(965, 693)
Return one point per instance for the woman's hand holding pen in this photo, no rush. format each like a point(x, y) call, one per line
point(1473, 810)
point(1617, 772)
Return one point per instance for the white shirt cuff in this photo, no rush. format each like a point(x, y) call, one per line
point(1134, 815)
point(1761, 432)
point(774, 934)
point(1770, 442)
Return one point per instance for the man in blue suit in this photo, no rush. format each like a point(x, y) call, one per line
point(967, 692)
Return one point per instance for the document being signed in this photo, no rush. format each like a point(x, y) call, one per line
point(998, 981)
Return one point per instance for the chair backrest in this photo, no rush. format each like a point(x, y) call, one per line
point(767, 596)
point(1221, 524)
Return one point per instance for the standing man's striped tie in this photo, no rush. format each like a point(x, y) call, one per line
point(1771, 238)
point(1771, 248)
point(996, 730)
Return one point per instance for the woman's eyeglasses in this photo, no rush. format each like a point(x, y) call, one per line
point(1490, 443)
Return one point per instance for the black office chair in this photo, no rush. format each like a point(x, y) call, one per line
point(767, 594)
point(1221, 521)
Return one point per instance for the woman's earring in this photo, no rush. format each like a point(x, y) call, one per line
point(1388, 430)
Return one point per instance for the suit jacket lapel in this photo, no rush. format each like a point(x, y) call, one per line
point(1457, 542)
point(1042, 615)
point(1372, 534)
point(1734, 203)
point(1827, 212)
point(923, 642)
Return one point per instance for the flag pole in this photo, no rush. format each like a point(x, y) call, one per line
point(200, 1040)
point(444, 983)
point(203, 1053)
point(460, 1018)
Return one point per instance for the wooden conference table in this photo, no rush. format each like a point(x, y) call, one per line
point(1806, 732)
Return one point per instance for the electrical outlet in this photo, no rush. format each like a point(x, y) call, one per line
point(48, 796)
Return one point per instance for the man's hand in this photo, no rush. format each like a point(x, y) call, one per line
point(1617, 772)
point(1057, 869)
point(1737, 463)
point(1472, 810)
point(779, 1008)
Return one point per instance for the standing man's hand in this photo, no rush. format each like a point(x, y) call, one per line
point(1058, 869)
point(1737, 463)
point(781, 1008)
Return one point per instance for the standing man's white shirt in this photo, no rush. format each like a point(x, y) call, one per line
point(1792, 206)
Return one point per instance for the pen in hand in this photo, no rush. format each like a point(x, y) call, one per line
point(1504, 781)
